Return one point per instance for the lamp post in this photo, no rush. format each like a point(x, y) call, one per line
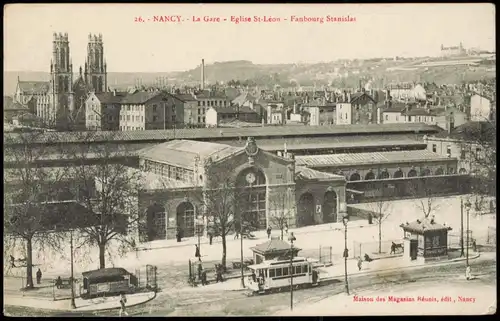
point(462, 227)
point(73, 305)
point(291, 238)
point(467, 207)
point(345, 219)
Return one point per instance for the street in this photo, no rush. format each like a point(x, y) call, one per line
point(204, 302)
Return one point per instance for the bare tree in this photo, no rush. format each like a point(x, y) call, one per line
point(381, 211)
point(282, 208)
point(29, 192)
point(222, 203)
point(109, 190)
point(425, 190)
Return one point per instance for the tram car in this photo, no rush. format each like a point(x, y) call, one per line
point(275, 275)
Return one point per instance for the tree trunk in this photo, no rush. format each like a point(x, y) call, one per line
point(224, 249)
point(102, 256)
point(29, 263)
point(282, 234)
point(242, 272)
point(379, 235)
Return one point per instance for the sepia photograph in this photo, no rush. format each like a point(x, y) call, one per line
point(249, 160)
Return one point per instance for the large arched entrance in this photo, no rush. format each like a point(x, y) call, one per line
point(425, 172)
point(439, 171)
point(383, 175)
point(355, 177)
point(306, 209)
point(252, 184)
point(369, 176)
point(185, 218)
point(156, 225)
point(398, 174)
point(412, 173)
point(330, 207)
point(462, 171)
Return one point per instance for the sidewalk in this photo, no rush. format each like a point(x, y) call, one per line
point(259, 235)
point(96, 304)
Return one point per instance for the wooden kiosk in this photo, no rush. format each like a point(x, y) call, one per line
point(272, 249)
point(425, 240)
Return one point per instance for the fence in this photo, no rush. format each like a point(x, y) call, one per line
point(323, 254)
point(147, 278)
point(455, 240)
point(360, 249)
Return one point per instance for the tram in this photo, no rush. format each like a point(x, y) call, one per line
point(275, 275)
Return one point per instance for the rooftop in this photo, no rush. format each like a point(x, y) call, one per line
point(182, 153)
point(349, 159)
point(426, 224)
point(484, 132)
point(305, 173)
point(228, 133)
point(153, 181)
point(34, 87)
point(273, 245)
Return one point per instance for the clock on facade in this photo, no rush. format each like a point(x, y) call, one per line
point(250, 178)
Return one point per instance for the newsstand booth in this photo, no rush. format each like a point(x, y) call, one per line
point(271, 250)
point(106, 282)
point(425, 240)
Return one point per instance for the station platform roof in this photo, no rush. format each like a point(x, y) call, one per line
point(342, 142)
point(217, 133)
point(376, 158)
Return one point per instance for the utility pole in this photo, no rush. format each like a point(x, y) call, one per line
point(346, 253)
point(462, 227)
point(291, 238)
point(73, 305)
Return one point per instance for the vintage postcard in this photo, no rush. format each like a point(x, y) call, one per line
point(249, 159)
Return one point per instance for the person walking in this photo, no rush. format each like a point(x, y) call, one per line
point(210, 237)
point(197, 252)
point(38, 276)
point(123, 302)
point(269, 232)
point(360, 263)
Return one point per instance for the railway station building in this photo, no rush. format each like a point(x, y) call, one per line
point(178, 174)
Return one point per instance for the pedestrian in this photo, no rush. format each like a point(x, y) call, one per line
point(474, 246)
point(197, 252)
point(269, 232)
point(468, 275)
point(210, 237)
point(204, 278)
point(123, 301)
point(38, 276)
point(200, 270)
point(360, 263)
point(178, 234)
point(58, 282)
point(12, 262)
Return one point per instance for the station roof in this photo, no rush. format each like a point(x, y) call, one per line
point(350, 159)
point(212, 133)
point(183, 153)
point(334, 142)
point(153, 181)
point(307, 173)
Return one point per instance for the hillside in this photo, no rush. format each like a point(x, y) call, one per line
point(380, 71)
point(118, 79)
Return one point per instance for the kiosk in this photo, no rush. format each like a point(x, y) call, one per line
point(425, 240)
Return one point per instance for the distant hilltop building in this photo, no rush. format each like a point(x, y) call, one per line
point(60, 102)
point(453, 51)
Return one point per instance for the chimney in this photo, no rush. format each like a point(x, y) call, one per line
point(203, 74)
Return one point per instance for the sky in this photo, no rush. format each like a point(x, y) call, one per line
point(379, 30)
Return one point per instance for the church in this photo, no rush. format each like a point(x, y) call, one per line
point(180, 177)
point(60, 102)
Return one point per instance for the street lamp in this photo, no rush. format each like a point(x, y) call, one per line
point(467, 207)
point(345, 219)
point(462, 228)
point(73, 305)
point(291, 238)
